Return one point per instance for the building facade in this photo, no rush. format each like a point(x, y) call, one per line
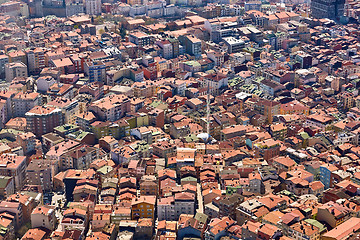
point(327, 8)
point(42, 120)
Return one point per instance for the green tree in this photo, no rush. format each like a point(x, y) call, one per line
point(99, 20)
point(101, 31)
point(122, 32)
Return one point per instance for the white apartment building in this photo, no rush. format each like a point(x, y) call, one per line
point(24, 102)
point(93, 7)
point(170, 208)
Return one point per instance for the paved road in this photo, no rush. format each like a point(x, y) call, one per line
point(55, 199)
point(58, 207)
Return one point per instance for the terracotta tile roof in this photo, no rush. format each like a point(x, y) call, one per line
point(344, 230)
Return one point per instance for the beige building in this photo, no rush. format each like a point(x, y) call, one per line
point(35, 59)
point(144, 89)
point(333, 214)
point(304, 231)
point(40, 172)
point(43, 216)
point(148, 186)
point(344, 230)
point(347, 100)
point(15, 69)
point(13, 166)
point(69, 107)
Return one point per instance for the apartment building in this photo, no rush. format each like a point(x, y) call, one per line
point(79, 157)
point(149, 185)
point(40, 173)
point(93, 7)
point(139, 38)
point(170, 208)
point(4, 59)
point(69, 107)
point(96, 71)
point(13, 166)
point(27, 141)
point(36, 60)
point(42, 120)
point(15, 69)
point(43, 216)
point(143, 207)
point(111, 108)
point(23, 102)
point(14, 208)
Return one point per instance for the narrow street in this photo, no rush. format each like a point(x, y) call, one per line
point(200, 208)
